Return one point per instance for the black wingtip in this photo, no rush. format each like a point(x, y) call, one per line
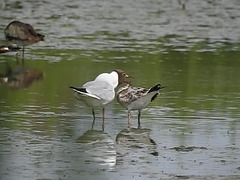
point(72, 87)
point(154, 97)
point(155, 88)
point(161, 87)
point(78, 89)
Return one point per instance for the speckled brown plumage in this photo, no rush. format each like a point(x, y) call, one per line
point(136, 98)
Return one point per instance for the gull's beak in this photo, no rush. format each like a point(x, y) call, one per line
point(127, 76)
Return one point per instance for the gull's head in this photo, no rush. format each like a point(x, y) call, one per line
point(122, 76)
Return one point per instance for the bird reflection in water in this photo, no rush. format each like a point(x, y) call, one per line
point(7, 46)
point(135, 140)
point(97, 148)
point(19, 77)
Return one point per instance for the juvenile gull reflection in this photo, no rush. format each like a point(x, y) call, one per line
point(136, 141)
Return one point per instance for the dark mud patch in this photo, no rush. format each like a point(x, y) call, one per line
point(182, 177)
point(188, 148)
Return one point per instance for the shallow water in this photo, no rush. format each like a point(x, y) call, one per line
point(190, 132)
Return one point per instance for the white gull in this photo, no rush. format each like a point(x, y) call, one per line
point(101, 91)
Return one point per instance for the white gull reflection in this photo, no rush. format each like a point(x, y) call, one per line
point(99, 149)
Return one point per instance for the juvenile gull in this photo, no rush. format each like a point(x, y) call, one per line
point(137, 98)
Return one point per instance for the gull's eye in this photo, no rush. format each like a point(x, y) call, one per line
point(123, 74)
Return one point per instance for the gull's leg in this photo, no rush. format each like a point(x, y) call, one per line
point(139, 115)
point(103, 111)
point(23, 55)
point(17, 55)
point(129, 117)
point(93, 113)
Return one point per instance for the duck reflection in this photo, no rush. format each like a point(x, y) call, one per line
point(135, 140)
point(98, 148)
point(19, 77)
